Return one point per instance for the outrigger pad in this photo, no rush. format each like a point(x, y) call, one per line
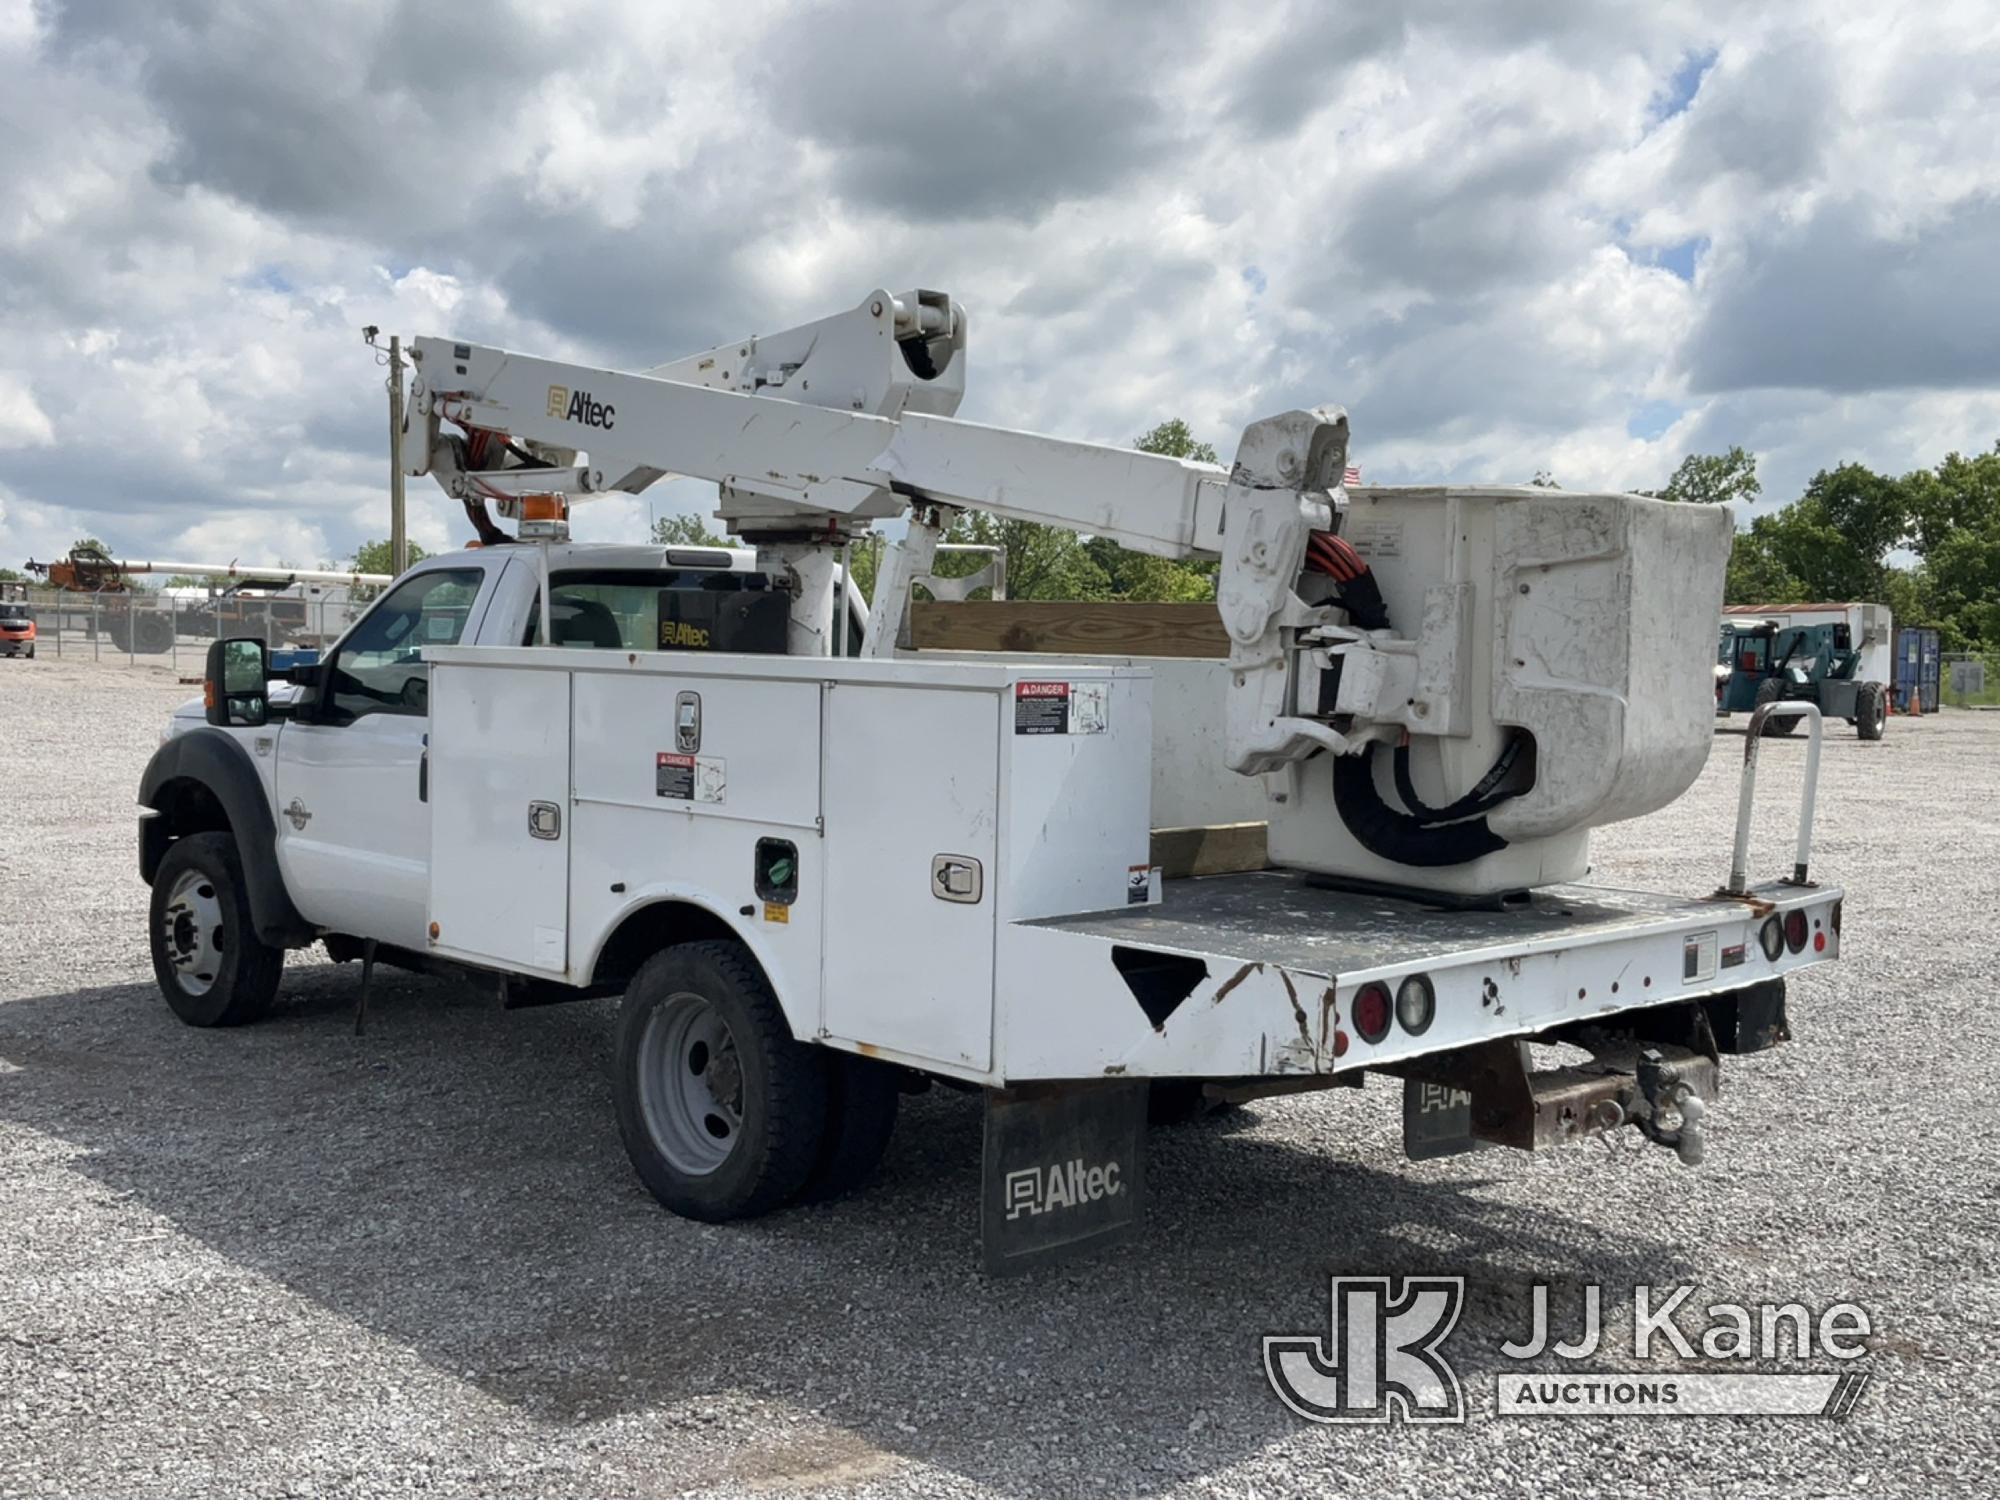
point(1065, 1171)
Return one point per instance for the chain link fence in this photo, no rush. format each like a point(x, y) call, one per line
point(173, 627)
point(1970, 679)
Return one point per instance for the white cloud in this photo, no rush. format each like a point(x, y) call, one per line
point(1506, 238)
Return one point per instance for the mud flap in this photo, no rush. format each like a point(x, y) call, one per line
point(1064, 1172)
point(1437, 1121)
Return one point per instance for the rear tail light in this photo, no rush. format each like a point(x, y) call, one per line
point(1416, 1003)
point(1795, 931)
point(1836, 917)
point(1370, 1010)
point(1771, 937)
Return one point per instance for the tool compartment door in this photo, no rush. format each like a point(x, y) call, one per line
point(499, 785)
point(911, 777)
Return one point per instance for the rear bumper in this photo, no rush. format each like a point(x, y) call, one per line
point(1268, 967)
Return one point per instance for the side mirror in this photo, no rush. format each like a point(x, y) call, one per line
point(235, 686)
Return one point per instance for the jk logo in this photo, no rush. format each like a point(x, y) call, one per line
point(1381, 1355)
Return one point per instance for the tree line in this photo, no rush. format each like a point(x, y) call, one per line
point(1925, 543)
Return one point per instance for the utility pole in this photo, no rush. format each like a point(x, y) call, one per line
point(399, 538)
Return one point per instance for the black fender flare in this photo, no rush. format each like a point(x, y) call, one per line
point(219, 764)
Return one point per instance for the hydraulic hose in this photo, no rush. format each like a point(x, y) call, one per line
point(1400, 836)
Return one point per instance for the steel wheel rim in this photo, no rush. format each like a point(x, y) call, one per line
point(690, 1084)
point(191, 932)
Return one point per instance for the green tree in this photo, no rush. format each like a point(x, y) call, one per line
point(1713, 479)
point(684, 531)
point(1051, 562)
point(1175, 439)
point(1960, 494)
point(1043, 562)
point(377, 557)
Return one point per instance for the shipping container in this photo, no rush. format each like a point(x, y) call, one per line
point(1918, 656)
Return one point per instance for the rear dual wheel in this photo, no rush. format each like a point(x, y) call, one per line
point(724, 1115)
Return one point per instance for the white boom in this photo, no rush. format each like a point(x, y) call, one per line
point(278, 577)
point(1536, 644)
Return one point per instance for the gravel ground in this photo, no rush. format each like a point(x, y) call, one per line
point(290, 1261)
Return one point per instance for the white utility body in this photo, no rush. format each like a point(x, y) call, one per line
point(821, 866)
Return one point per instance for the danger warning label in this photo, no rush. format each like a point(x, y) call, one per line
point(688, 778)
point(1061, 707)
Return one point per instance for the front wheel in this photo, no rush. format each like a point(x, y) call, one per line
point(211, 966)
point(1772, 690)
point(722, 1112)
point(1871, 710)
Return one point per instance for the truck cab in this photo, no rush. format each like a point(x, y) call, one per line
point(344, 758)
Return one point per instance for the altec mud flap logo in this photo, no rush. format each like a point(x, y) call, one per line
point(1066, 1184)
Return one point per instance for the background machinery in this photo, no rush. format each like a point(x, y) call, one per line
point(241, 598)
point(1764, 661)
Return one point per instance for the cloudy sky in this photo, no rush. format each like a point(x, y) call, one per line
point(1586, 238)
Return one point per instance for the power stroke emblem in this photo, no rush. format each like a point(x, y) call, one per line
point(578, 406)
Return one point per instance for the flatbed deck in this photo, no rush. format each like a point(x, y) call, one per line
point(1305, 926)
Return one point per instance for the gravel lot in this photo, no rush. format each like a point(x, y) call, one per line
point(289, 1261)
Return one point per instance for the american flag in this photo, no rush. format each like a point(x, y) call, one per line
point(1351, 476)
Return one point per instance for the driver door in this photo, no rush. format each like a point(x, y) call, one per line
point(353, 819)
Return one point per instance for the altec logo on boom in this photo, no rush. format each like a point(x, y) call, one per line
point(577, 406)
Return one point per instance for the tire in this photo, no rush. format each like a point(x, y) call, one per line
point(1871, 710)
point(1772, 690)
point(861, 1101)
point(722, 1112)
point(210, 964)
point(152, 633)
point(31, 651)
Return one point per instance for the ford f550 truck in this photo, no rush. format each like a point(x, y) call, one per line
point(820, 869)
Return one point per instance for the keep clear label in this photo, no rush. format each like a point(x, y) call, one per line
point(1061, 707)
point(689, 778)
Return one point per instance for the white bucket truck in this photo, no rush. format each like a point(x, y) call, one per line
point(821, 870)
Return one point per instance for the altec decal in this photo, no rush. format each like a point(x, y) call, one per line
point(1065, 1184)
point(577, 406)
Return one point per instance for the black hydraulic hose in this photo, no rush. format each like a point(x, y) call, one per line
point(1361, 597)
point(1484, 797)
point(1398, 836)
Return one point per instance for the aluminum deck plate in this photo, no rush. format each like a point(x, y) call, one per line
point(1272, 916)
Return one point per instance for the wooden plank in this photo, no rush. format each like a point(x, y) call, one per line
point(1069, 627)
point(1217, 849)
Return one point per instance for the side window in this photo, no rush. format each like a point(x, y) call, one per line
point(379, 669)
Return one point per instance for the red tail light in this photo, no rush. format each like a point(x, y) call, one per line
point(1795, 931)
point(1371, 1012)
